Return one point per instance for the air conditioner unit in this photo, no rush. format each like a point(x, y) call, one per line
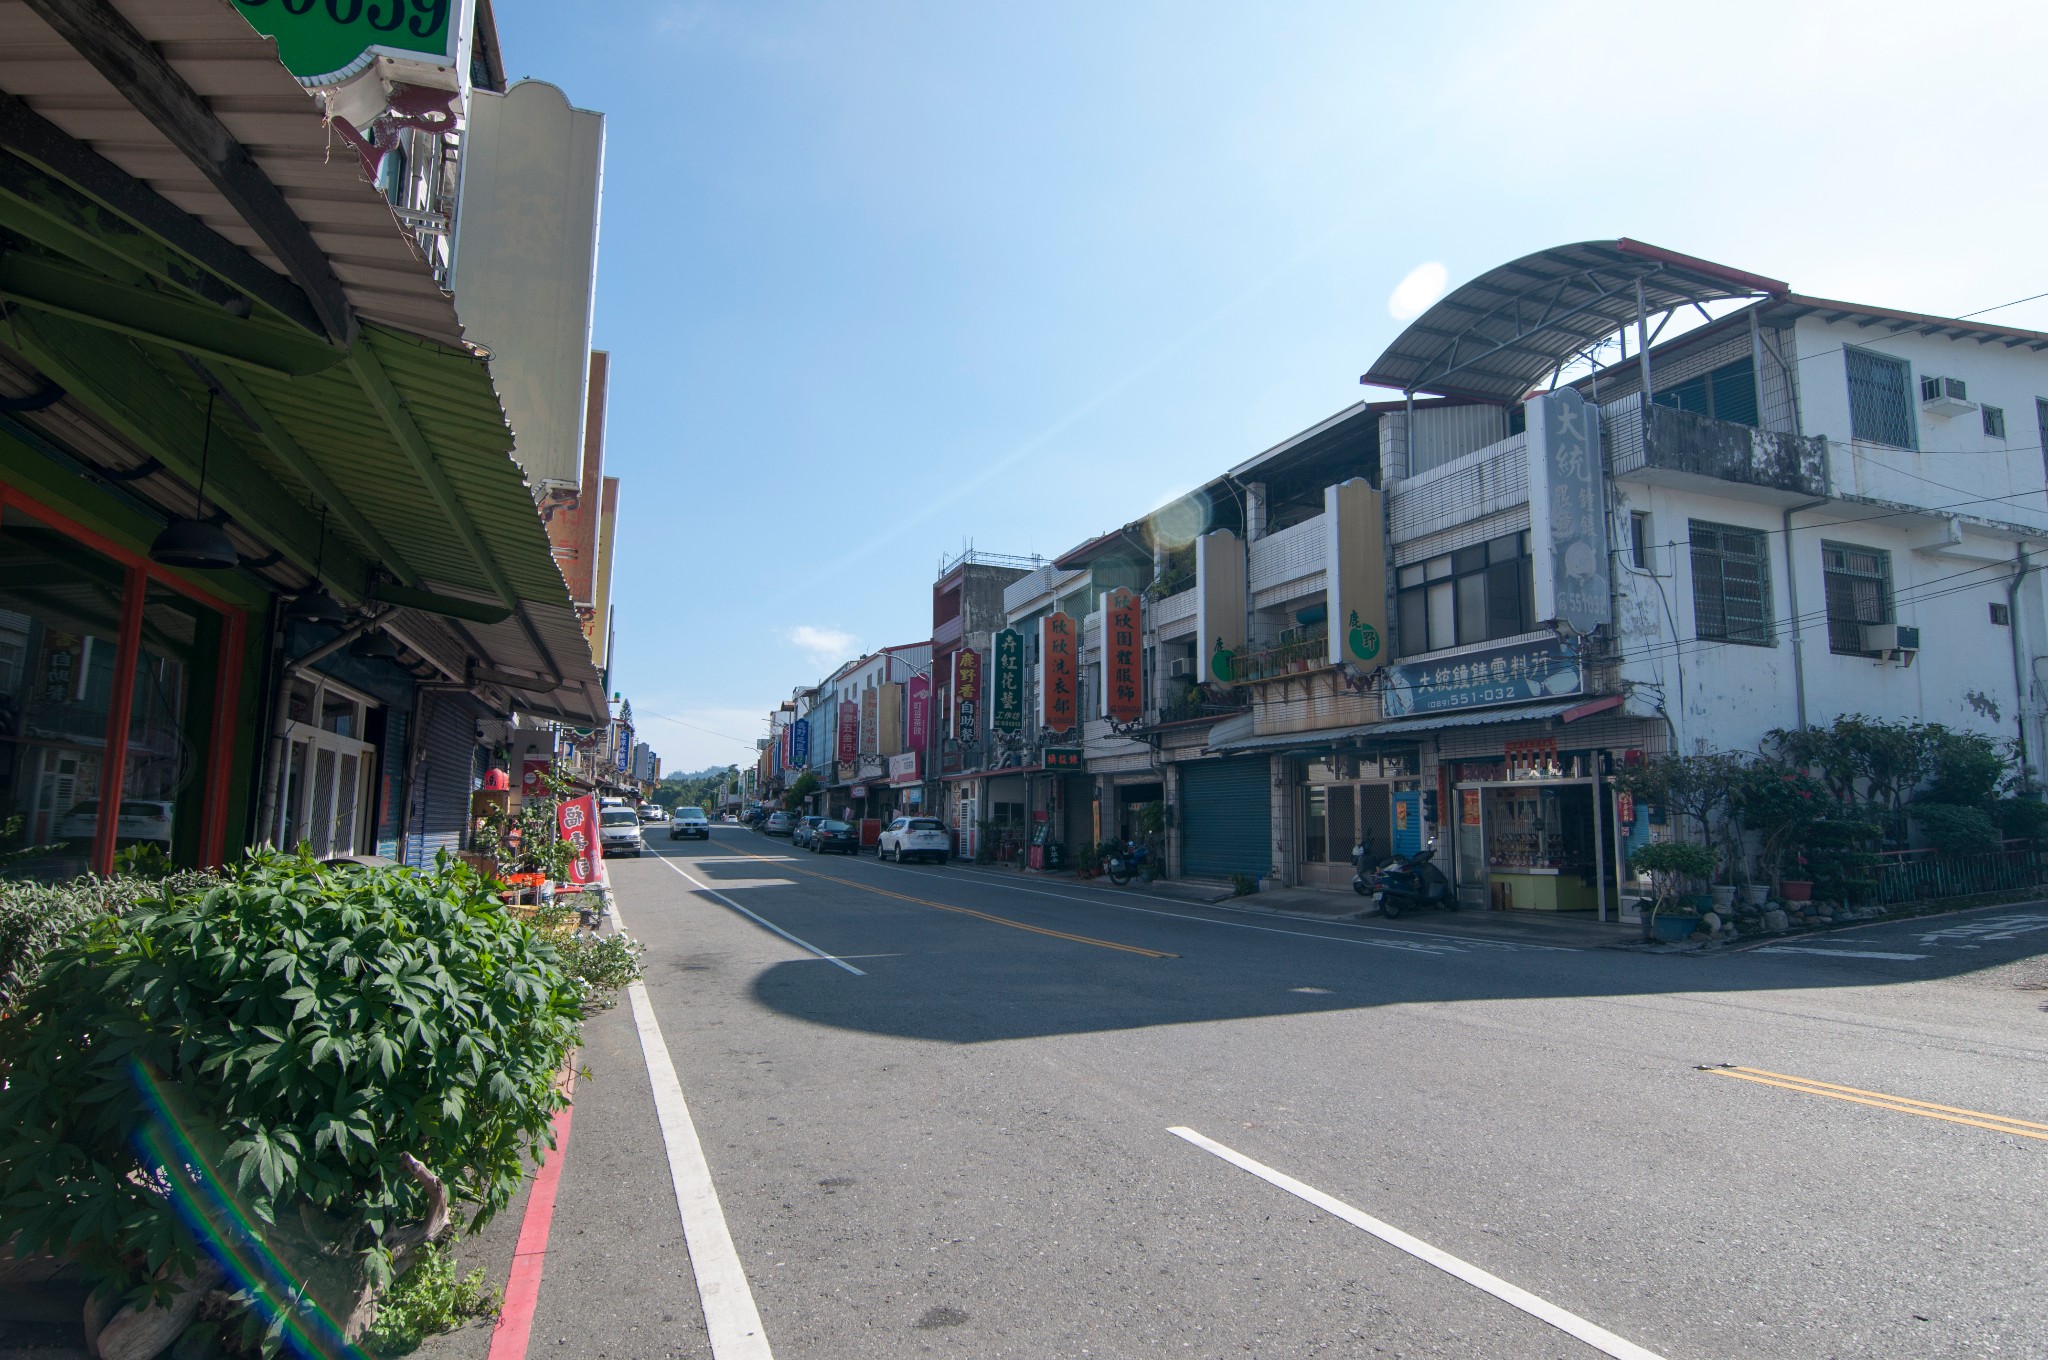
point(1181, 668)
point(1891, 641)
point(1945, 397)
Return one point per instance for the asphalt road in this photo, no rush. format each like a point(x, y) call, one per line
point(963, 1147)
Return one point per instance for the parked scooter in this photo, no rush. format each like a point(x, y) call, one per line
point(1365, 865)
point(1129, 859)
point(1412, 882)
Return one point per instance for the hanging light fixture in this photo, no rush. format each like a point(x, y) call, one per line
point(316, 605)
point(197, 542)
point(375, 645)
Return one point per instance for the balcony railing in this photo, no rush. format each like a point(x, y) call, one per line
point(1193, 704)
point(1666, 439)
point(1298, 651)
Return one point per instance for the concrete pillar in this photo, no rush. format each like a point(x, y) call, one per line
point(1254, 511)
point(1285, 866)
point(1170, 788)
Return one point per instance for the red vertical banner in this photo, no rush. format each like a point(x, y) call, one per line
point(576, 823)
point(918, 725)
point(1057, 673)
point(1123, 695)
point(966, 694)
point(849, 730)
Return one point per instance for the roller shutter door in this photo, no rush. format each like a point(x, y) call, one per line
point(1226, 818)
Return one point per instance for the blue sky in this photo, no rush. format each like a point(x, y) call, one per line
point(882, 279)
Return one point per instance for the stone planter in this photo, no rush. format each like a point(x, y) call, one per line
point(1759, 893)
point(1724, 897)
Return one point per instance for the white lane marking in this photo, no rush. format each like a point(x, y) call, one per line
point(1989, 928)
point(806, 944)
point(1599, 1338)
point(1403, 946)
point(1836, 953)
point(729, 1313)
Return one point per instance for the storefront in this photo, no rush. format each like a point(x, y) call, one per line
point(1531, 830)
point(120, 692)
point(1226, 817)
point(1349, 800)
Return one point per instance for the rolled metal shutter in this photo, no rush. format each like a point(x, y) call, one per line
point(1226, 818)
point(445, 773)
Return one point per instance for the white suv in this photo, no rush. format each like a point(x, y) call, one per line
point(909, 838)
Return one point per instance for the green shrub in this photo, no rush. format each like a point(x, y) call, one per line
point(1243, 885)
point(37, 917)
point(604, 965)
point(2021, 818)
point(428, 1299)
point(1953, 830)
point(294, 1054)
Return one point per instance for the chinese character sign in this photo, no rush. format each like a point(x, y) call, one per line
point(623, 757)
point(800, 742)
point(1512, 674)
point(849, 730)
point(870, 721)
point(576, 823)
point(1006, 705)
point(966, 694)
point(1568, 515)
point(919, 722)
point(1058, 673)
point(1123, 698)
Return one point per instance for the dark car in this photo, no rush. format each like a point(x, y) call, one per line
point(830, 837)
point(800, 834)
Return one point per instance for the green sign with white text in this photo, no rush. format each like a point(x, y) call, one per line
point(325, 41)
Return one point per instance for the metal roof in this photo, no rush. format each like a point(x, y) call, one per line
point(236, 72)
point(1497, 337)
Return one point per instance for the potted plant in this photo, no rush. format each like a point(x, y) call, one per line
point(1781, 805)
point(1670, 865)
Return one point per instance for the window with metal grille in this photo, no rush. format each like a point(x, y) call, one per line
point(1731, 584)
point(1728, 393)
point(1880, 405)
point(1994, 421)
point(1859, 591)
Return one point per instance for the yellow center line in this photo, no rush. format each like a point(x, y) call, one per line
point(968, 911)
point(1856, 1095)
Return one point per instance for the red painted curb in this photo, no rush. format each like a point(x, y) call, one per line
point(522, 1290)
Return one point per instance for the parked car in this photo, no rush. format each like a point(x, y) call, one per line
point(778, 824)
point(618, 831)
point(833, 837)
point(909, 838)
point(732, 817)
point(800, 834)
point(653, 812)
point(141, 819)
point(689, 821)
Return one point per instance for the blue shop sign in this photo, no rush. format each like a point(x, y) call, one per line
point(1500, 675)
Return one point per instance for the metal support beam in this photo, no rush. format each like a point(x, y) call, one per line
point(130, 394)
point(135, 221)
point(104, 37)
point(164, 318)
point(376, 383)
point(1643, 345)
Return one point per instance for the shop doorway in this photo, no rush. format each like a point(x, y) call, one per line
point(1534, 845)
point(324, 799)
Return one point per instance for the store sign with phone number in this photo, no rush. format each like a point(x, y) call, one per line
point(1500, 675)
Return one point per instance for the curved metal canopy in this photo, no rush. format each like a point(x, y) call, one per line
point(1495, 338)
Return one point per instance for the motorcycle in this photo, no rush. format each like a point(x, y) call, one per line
point(1126, 862)
point(1412, 882)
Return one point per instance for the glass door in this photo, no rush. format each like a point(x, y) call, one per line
point(1471, 846)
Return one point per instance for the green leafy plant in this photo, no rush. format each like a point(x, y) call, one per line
point(806, 785)
point(328, 1060)
point(1671, 866)
point(428, 1299)
point(2021, 818)
point(528, 840)
point(1243, 885)
point(1840, 857)
point(604, 964)
point(1953, 830)
point(1781, 805)
point(37, 917)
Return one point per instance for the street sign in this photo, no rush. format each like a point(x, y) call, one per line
point(1006, 708)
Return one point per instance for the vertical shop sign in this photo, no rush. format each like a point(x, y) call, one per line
point(576, 823)
point(1057, 676)
point(1568, 513)
point(966, 694)
point(870, 721)
point(1122, 672)
point(849, 731)
point(920, 719)
point(1006, 709)
point(800, 742)
point(623, 757)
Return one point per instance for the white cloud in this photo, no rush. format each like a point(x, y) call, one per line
point(1413, 295)
point(823, 645)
